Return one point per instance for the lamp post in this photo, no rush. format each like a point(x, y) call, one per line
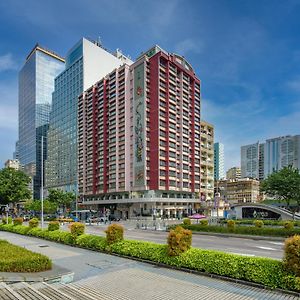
point(42, 182)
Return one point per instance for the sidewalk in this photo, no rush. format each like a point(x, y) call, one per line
point(123, 278)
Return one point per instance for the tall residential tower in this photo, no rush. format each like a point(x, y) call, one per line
point(139, 138)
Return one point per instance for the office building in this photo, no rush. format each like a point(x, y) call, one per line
point(233, 173)
point(139, 138)
point(16, 152)
point(219, 171)
point(259, 160)
point(86, 62)
point(250, 161)
point(207, 161)
point(13, 163)
point(281, 152)
point(36, 84)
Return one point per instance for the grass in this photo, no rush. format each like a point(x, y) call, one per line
point(17, 259)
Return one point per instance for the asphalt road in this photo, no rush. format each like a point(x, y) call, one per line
point(242, 246)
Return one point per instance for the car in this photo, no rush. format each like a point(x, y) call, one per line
point(26, 218)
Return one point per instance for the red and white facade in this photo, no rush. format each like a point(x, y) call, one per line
point(139, 137)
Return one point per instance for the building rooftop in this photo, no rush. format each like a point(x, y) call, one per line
point(38, 47)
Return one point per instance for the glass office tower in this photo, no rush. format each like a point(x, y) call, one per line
point(36, 84)
point(86, 61)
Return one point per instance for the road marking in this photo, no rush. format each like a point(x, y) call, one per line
point(277, 243)
point(266, 248)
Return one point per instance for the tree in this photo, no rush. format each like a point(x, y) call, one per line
point(284, 185)
point(36, 205)
point(61, 198)
point(14, 186)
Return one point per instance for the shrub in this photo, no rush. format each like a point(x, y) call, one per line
point(258, 223)
point(114, 233)
point(77, 228)
point(179, 241)
point(53, 225)
point(231, 225)
point(18, 221)
point(4, 220)
point(187, 221)
point(288, 225)
point(34, 222)
point(204, 222)
point(92, 242)
point(17, 259)
point(291, 258)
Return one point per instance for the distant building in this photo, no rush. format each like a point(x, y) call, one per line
point(239, 191)
point(207, 161)
point(233, 173)
point(36, 84)
point(259, 160)
point(281, 152)
point(13, 163)
point(16, 152)
point(250, 161)
point(219, 171)
point(86, 62)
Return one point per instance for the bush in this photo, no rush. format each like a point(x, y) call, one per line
point(288, 225)
point(4, 220)
point(204, 222)
point(92, 242)
point(291, 258)
point(179, 241)
point(114, 233)
point(77, 228)
point(18, 221)
point(34, 222)
point(53, 225)
point(17, 259)
point(258, 223)
point(231, 225)
point(187, 221)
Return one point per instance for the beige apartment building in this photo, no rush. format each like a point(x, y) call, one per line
point(239, 190)
point(207, 161)
point(233, 173)
point(13, 163)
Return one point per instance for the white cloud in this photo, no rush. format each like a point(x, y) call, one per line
point(189, 45)
point(294, 84)
point(7, 62)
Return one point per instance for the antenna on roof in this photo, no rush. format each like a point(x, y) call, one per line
point(99, 43)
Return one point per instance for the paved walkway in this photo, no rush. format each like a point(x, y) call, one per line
point(120, 278)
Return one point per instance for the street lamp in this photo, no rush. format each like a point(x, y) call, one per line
point(42, 182)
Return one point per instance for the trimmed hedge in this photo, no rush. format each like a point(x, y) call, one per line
point(53, 225)
point(250, 230)
point(34, 222)
point(114, 233)
point(17, 259)
point(4, 220)
point(179, 241)
point(266, 222)
point(265, 271)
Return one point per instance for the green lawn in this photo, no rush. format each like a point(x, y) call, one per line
point(17, 259)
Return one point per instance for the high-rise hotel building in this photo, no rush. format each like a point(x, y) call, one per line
point(139, 138)
point(86, 61)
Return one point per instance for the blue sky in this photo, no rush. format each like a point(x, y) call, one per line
point(246, 53)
